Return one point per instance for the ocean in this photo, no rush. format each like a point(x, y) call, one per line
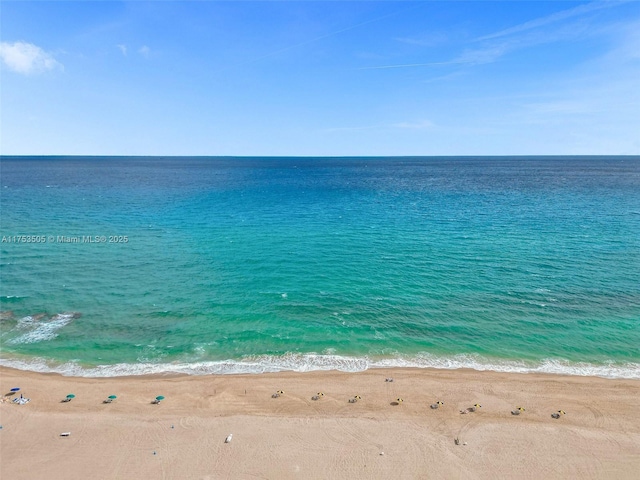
point(134, 265)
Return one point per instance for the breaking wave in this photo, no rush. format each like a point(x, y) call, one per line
point(318, 362)
point(39, 328)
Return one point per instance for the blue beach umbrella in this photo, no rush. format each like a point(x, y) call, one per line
point(16, 389)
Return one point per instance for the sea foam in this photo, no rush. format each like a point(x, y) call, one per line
point(39, 330)
point(316, 362)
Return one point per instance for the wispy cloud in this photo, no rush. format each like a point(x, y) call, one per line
point(468, 57)
point(560, 107)
point(628, 47)
point(419, 125)
point(415, 125)
point(495, 45)
point(324, 36)
point(425, 40)
point(574, 24)
point(553, 18)
point(352, 129)
point(482, 55)
point(404, 65)
point(27, 58)
point(144, 50)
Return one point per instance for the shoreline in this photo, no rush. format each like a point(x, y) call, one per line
point(312, 362)
point(161, 375)
point(294, 436)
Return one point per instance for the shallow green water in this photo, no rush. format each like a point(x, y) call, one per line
point(517, 264)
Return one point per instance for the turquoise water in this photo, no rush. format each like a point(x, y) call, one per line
point(266, 264)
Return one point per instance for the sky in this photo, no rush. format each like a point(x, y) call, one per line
point(330, 78)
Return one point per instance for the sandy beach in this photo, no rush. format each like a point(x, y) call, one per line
point(293, 436)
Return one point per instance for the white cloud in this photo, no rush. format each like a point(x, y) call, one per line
point(123, 49)
point(27, 58)
point(144, 50)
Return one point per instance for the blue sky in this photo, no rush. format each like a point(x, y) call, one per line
point(320, 78)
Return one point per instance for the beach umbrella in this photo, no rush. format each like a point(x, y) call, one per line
point(112, 397)
point(70, 396)
point(159, 397)
point(16, 389)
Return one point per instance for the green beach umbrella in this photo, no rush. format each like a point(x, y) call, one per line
point(159, 397)
point(71, 395)
point(112, 397)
